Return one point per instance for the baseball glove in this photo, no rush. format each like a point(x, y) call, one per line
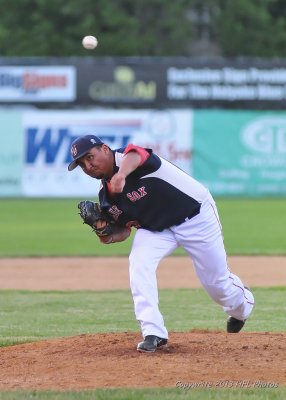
point(92, 215)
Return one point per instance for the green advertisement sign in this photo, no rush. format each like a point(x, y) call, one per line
point(240, 152)
point(11, 150)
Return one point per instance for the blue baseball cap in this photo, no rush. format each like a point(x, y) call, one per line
point(80, 148)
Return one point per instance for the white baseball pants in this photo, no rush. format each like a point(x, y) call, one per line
point(202, 238)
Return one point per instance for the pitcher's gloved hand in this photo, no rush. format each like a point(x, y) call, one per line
point(92, 215)
point(102, 224)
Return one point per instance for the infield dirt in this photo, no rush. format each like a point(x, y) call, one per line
point(199, 358)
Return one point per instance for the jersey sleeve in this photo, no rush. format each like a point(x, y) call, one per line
point(143, 153)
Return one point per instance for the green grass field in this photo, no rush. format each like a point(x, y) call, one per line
point(28, 316)
point(152, 394)
point(42, 227)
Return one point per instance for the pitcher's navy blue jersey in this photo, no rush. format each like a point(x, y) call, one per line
point(156, 195)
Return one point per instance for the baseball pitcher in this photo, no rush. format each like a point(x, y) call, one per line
point(169, 209)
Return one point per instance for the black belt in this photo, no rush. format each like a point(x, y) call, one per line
point(193, 214)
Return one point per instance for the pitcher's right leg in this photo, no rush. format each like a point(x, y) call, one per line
point(147, 251)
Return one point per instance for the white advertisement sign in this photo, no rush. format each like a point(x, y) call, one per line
point(37, 83)
point(231, 84)
point(49, 134)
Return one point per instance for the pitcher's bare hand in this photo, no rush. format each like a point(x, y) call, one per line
point(118, 182)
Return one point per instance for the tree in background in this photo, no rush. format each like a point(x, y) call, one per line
point(144, 28)
point(123, 27)
point(252, 28)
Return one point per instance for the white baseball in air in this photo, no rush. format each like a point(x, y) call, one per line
point(89, 42)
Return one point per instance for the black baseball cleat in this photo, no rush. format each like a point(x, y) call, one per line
point(234, 325)
point(151, 343)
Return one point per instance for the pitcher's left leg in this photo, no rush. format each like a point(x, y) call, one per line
point(202, 238)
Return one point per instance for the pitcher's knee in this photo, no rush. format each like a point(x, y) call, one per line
point(231, 297)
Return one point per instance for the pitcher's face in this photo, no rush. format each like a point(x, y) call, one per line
point(98, 162)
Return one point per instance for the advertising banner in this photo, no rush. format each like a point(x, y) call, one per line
point(228, 83)
point(145, 82)
point(48, 136)
point(111, 83)
point(234, 153)
point(240, 152)
point(11, 153)
point(181, 82)
point(35, 84)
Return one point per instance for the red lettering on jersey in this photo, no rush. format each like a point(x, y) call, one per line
point(130, 197)
point(142, 191)
point(115, 212)
point(137, 195)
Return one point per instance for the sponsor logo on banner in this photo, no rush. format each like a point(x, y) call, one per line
point(37, 84)
point(51, 146)
point(125, 87)
point(265, 140)
point(49, 136)
point(266, 135)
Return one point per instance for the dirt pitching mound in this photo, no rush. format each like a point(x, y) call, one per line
point(193, 359)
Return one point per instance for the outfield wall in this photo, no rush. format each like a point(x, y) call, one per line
point(235, 153)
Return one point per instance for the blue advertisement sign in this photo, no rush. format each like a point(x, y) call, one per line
point(49, 134)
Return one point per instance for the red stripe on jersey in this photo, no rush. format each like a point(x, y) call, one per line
point(139, 150)
point(108, 184)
